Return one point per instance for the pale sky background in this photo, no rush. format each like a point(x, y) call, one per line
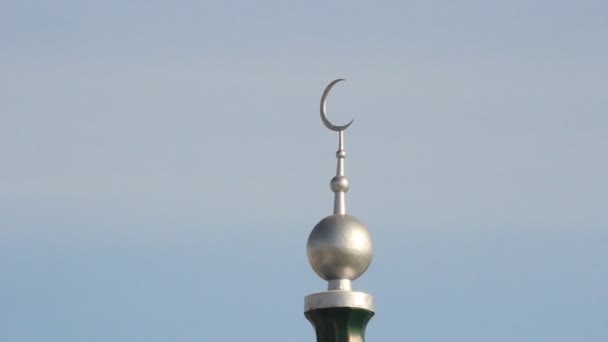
point(162, 165)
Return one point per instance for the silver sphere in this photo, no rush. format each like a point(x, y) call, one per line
point(339, 247)
point(339, 184)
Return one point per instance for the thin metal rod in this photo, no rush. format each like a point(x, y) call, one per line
point(340, 191)
point(340, 154)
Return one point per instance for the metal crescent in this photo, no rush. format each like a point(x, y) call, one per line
point(323, 109)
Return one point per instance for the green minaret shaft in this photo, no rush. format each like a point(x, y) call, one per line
point(339, 324)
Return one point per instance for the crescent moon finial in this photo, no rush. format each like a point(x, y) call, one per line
point(323, 109)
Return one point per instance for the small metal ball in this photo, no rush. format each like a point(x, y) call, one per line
point(339, 184)
point(341, 154)
point(339, 247)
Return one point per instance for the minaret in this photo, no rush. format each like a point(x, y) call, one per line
point(339, 250)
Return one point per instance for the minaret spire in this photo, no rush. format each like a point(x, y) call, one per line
point(339, 250)
point(339, 184)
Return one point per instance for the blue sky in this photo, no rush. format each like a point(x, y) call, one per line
point(164, 162)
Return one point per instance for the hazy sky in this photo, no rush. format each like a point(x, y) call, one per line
point(162, 165)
